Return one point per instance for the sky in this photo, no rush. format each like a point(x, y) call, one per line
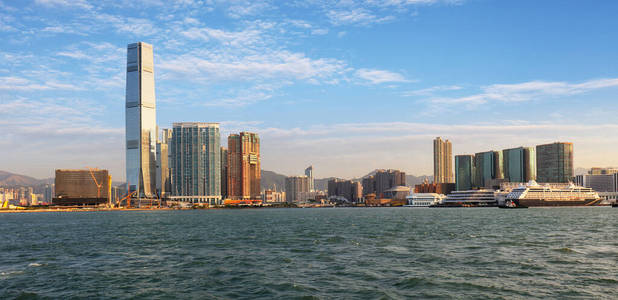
point(346, 86)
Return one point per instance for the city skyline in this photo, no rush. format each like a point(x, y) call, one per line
point(309, 83)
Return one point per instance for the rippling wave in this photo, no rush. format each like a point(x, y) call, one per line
point(356, 253)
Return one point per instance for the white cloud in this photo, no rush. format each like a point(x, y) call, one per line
point(236, 39)
point(380, 76)
point(13, 83)
point(358, 16)
point(528, 91)
point(431, 90)
point(337, 149)
point(247, 8)
point(65, 3)
point(268, 65)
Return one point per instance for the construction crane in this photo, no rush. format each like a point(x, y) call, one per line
point(99, 185)
point(127, 198)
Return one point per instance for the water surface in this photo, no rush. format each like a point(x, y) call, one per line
point(349, 253)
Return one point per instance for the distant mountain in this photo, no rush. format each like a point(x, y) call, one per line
point(11, 179)
point(270, 180)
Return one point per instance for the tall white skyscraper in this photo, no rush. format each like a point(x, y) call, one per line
point(309, 173)
point(141, 124)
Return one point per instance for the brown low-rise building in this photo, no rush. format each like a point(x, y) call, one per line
point(82, 187)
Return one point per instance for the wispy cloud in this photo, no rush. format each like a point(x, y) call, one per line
point(528, 91)
point(65, 3)
point(14, 83)
point(359, 16)
point(431, 90)
point(380, 76)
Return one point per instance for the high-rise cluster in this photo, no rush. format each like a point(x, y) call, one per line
point(545, 163)
point(186, 163)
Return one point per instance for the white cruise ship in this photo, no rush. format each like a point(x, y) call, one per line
point(533, 194)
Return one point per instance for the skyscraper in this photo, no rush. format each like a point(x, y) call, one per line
point(295, 187)
point(141, 124)
point(554, 162)
point(309, 174)
point(224, 172)
point(519, 164)
point(464, 172)
point(442, 161)
point(489, 169)
point(243, 178)
point(164, 186)
point(196, 161)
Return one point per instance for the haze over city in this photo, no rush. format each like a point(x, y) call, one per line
point(348, 87)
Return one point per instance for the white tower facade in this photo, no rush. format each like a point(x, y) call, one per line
point(141, 123)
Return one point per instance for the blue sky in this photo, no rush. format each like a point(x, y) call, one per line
point(348, 86)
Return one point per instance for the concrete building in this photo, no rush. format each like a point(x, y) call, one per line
point(196, 162)
point(82, 187)
point(350, 190)
point(519, 164)
point(600, 183)
point(442, 161)
point(243, 179)
point(465, 171)
point(295, 188)
point(272, 196)
point(164, 182)
point(309, 173)
point(141, 124)
point(554, 162)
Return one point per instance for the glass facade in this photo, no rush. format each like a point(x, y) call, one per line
point(196, 159)
point(488, 166)
point(141, 128)
point(520, 164)
point(464, 172)
point(554, 162)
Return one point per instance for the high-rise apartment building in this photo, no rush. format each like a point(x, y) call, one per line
point(383, 180)
point(295, 187)
point(196, 162)
point(243, 179)
point(465, 172)
point(164, 182)
point(350, 190)
point(141, 124)
point(442, 161)
point(309, 174)
point(519, 164)
point(554, 162)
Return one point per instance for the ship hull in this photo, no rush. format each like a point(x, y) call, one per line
point(543, 202)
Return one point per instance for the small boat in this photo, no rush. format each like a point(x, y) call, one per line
point(615, 204)
point(511, 204)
